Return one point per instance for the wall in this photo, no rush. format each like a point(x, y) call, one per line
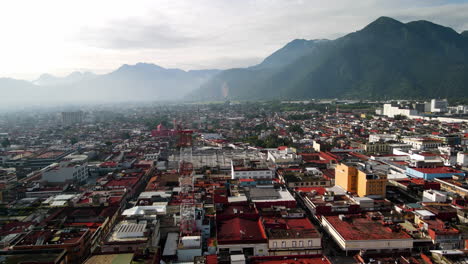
point(346, 177)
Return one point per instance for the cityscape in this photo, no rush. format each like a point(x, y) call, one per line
point(318, 181)
point(234, 132)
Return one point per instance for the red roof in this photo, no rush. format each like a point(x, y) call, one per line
point(360, 228)
point(437, 170)
point(290, 223)
point(130, 182)
point(291, 259)
point(319, 190)
point(240, 231)
point(428, 154)
point(212, 259)
point(108, 164)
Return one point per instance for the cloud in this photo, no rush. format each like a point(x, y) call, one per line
point(136, 34)
point(187, 34)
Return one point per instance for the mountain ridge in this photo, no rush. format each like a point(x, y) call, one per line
point(141, 81)
point(385, 59)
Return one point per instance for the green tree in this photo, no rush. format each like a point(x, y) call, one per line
point(6, 142)
point(296, 129)
point(73, 140)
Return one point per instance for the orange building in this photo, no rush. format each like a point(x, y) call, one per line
point(355, 178)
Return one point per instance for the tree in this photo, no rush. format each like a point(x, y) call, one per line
point(400, 117)
point(126, 135)
point(296, 129)
point(6, 142)
point(73, 140)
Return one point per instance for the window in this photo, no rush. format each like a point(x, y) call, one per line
point(294, 244)
point(301, 243)
point(275, 244)
point(309, 243)
point(283, 244)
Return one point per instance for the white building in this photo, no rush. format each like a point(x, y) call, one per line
point(434, 196)
point(392, 111)
point(189, 248)
point(152, 156)
point(422, 143)
point(247, 169)
point(462, 159)
point(382, 137)
point(439, 106)
point(284, 157)
point(71, 168)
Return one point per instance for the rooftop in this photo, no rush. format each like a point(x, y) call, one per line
point(437, 170)
point(239, 230)
point(360, 228)
point(296, 259)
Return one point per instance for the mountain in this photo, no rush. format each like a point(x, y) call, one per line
point(291, 52)
point(142, 81)
point(16, 90)
point(464, 33)
point(145, 81)
point(386, 59)
point(74, 77)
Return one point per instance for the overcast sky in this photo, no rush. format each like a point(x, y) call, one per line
point(59, 37)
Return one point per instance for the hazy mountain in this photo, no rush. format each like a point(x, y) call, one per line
point(142, 81)
point(16, 90)
point(72, 78)
point(387, 58)
point(145, 81)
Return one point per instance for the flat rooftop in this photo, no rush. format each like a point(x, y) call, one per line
point(437, 170)
point(359, 228)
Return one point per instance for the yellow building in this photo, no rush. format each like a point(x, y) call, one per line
point(359, 180)
point(346, 177)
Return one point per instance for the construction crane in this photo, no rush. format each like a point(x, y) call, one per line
point(187, 206)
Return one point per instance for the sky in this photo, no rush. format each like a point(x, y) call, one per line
point(59, 37)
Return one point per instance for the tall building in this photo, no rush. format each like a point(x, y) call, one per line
point(395, 110)
point(360, 179)
point(71, 118)
point(439, 106)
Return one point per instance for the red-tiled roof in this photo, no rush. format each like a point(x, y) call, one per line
point(240, 231)
point(364, 229)
point(292, 259)
point(108, 164)
point(319, 190)
point(290, 223)
point(437, 170)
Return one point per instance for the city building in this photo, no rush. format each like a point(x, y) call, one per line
point(433, 173)
point(292, 236)
point(251, 169)
point(241, 235)
point(284, 157)
point(439, 105)
point(354, 233)
point(71, 168)
point(71, 118)
point(392, 111)
point(360, 179)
